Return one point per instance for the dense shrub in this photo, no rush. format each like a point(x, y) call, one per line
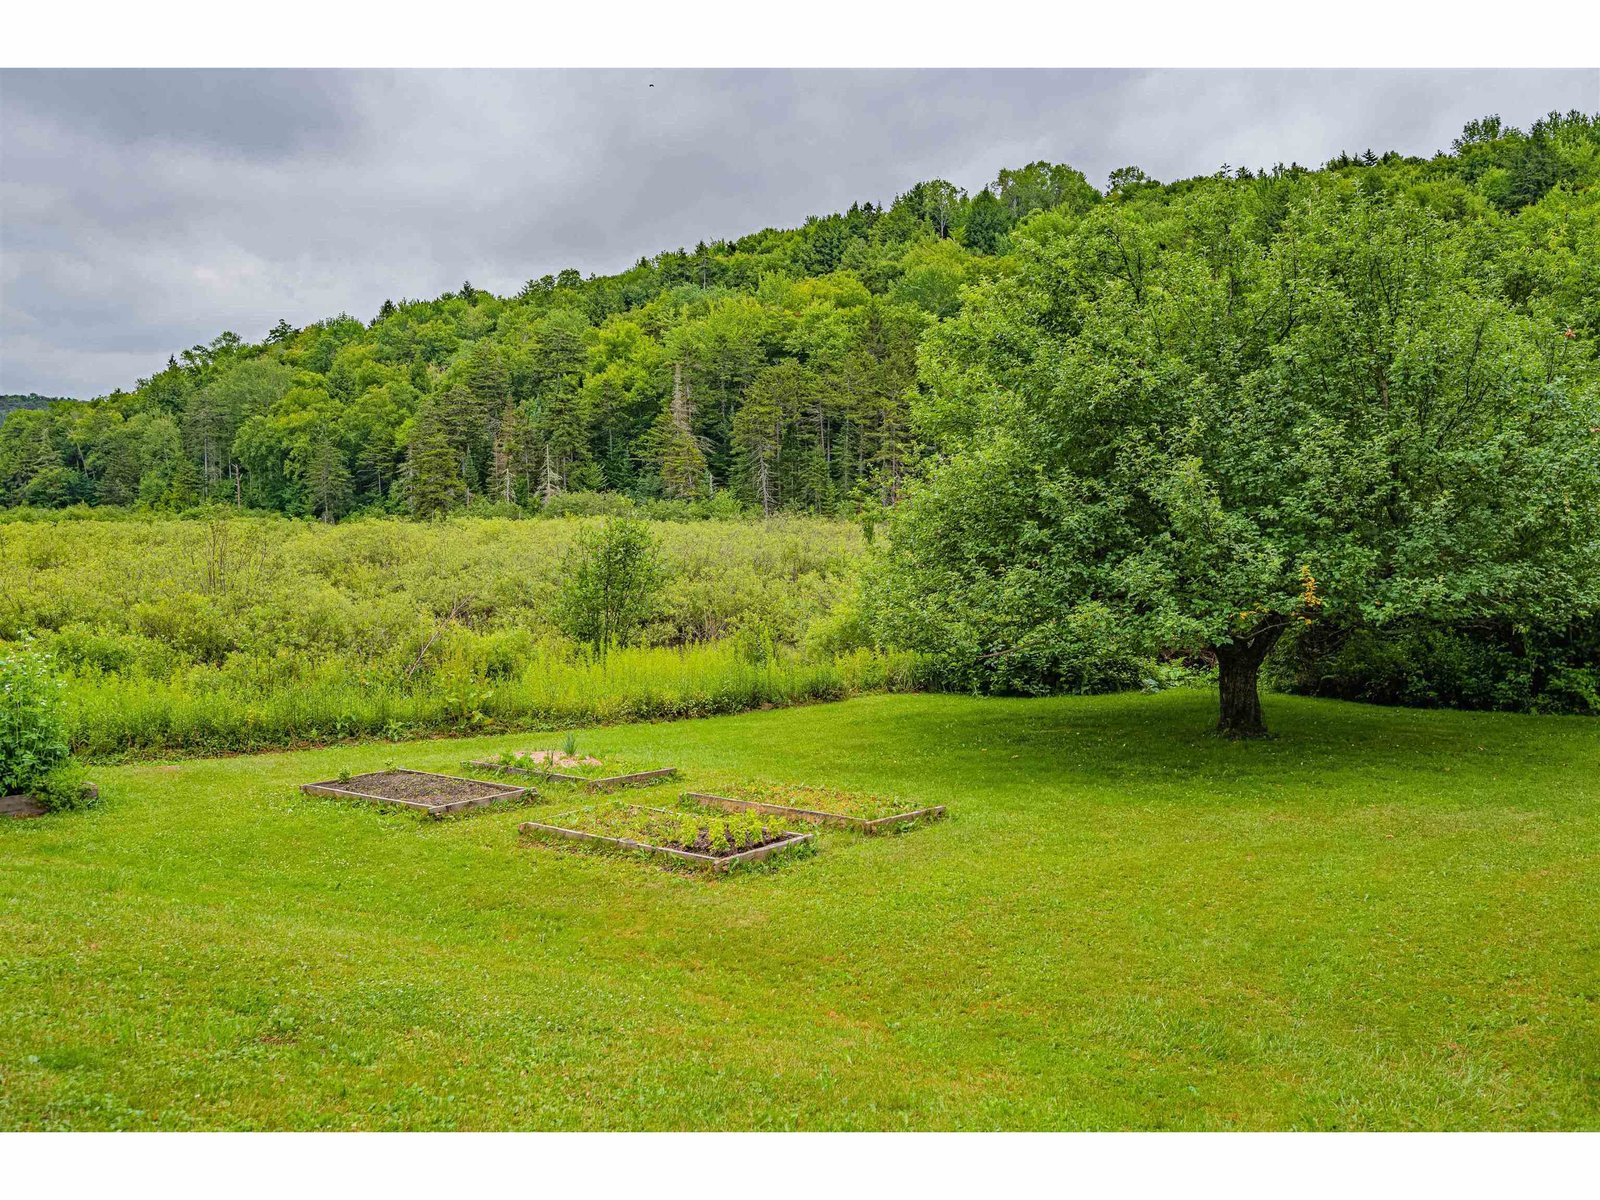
point(724, 506)
point(33, 731)
point(64, 788)
point(1488, 667)
point(588, 504)
point(611, 577)
point(843, 628)
point(307, 632)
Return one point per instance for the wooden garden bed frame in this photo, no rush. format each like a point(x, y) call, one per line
point(608, 783)
point(544, 831)
point(332, 787)
point(860, 824)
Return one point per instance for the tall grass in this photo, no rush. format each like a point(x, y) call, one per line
point(225, 634)
point(201, 711)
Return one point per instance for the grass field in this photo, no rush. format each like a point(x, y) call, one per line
point(1381, 919)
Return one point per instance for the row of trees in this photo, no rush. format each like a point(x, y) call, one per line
point(777, 366)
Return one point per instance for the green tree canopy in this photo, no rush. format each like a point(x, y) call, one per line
point(1203, 426)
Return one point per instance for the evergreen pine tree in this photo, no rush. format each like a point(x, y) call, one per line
point(433, 469)
point(184, 488)
point(466, 423)
point(512, 444)
point(327, 479)
point(673, 449)
point(675, 454)
point(561, 426)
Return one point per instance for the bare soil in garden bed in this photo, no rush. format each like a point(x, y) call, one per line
point(430, 789)
point(437, 794)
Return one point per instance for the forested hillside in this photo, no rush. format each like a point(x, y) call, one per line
point(779, 368)
point(15, 403)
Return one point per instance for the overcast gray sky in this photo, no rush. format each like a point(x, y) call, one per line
point(142, 212)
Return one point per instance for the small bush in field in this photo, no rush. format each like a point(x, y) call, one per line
point(64, 788)
point(33, 732)
point(611, 578)
point(587, 504)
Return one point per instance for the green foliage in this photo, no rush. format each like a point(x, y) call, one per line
point(1144, 412)
point(212, 635)
point(724, 506)
point(844, 628)
point(611, 577)
point(701, 831)
point(630, 384)
point(588, 504)
point(1486, 666)
point(33, 730)
point(433, 479)
point(17, 402)
point(64, 788)
point(658, 382)
point(1198, 425)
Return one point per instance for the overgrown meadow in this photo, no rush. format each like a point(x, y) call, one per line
point(243, 633)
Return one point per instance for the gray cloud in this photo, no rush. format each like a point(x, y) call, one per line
point(144, 211)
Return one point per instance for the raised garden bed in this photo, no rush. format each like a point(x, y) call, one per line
point(821, 806)
point(554, 767)
point(687, 838)
point(436, 795)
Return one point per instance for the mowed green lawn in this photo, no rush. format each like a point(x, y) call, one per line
point(1380, 919)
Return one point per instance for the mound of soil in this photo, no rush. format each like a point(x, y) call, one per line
point(556, 761)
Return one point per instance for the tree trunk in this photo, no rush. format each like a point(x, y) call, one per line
point(1238, 676)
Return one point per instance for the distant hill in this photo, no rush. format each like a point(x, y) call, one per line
point(10, 404)
point(777, 369)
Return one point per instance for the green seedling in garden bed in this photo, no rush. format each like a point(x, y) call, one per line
point(561, 767)
point(821, 806)
point(688, 838)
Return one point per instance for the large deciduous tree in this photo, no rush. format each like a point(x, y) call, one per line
point(1203, 427)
